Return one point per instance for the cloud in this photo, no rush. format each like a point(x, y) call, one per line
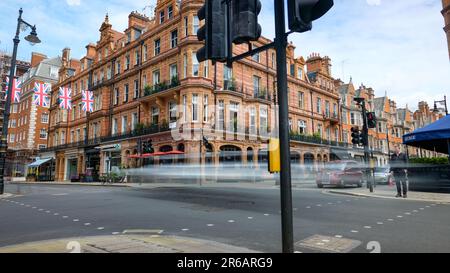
point(401, 48)
point(73, 2)
point(374, 2)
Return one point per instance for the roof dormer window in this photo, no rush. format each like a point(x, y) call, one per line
point(129, 37)
point(170, 12)
point(161, 16)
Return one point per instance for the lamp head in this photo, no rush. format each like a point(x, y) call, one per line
point(33, 38)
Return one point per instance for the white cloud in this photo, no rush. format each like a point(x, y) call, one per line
point(374, 2)
point(73, 2)
point(400, 49)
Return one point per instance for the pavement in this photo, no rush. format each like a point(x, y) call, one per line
point(5, 195)
point(389, 192)
point(245, 218)
point(130, 243)
point(60, 183)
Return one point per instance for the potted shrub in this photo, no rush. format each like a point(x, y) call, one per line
point(74, 178)
point(147, 90)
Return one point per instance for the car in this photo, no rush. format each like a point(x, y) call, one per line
point(341, 174)
point(382, 175)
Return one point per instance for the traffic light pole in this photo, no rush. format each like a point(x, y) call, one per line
point(285, 175)
point(366, 143)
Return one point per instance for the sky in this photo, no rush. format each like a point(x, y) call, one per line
point(397, 47)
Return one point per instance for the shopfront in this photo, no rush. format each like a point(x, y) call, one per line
point(42, 169)
point(72, 168)
point(92, 165)
point(112, 158)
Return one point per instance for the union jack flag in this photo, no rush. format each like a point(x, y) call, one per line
point(16, 90)
point(65, 98)
point(88, 101)
point(42, 94)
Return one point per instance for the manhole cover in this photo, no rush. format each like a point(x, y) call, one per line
point(329, 244)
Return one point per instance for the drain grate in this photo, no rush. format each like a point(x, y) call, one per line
point(329, 244)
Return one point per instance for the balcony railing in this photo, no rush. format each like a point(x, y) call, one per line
point(160, 87)
point(231, 85)
point(334, 117)
point(150, 130)
point(262, 93)
point(153, 129)
point(318, 140)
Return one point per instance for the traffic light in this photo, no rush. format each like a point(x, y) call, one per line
point(245, 27)
point(371, 120)
point(303, 12)
point(357, 138)
point(208, 146)
point(213, 32)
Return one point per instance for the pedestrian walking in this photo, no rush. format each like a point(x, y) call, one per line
point(399, 171)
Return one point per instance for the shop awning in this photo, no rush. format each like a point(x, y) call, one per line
point(39, 162)
point(157, 154)
point(434, 137)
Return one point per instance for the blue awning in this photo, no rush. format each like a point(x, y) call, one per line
point(434, 137)
point(39, 162)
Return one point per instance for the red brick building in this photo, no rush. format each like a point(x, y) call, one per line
point(148, 84)
point(28, 123)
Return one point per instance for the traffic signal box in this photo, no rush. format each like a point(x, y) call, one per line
point(274, 155)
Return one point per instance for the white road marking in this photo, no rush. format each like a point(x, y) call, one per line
point(427, 206)
point(319, 205)
point(415, 211)
point(422, 209)
point(354, 231)
point(65, 217)
point(266, 214)
point(34, 208)
point(87, 224)
point(367, 227)
point(399, 216)
point(407, 213)
point(56, 214)
point(210, 225)
point(76, 220)
point(390, 220)
point(115, 233)
point(250, 218)
point(380, 223)
point(47, 211)
point(325, 241)
point(308, 207)
point(298, 252)
point(100, 228)
point(185, 229)
point(231, 221)
point(339, 236)
point(60, 194)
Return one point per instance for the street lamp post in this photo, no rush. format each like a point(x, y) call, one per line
point(436, 109)
point(33, 39)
